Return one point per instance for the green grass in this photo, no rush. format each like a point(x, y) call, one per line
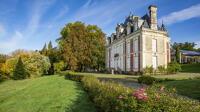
point(44, 94)
point(178, 76)
point(190, 88)
point(190, 68)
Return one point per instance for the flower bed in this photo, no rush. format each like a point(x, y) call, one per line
point(118, 98)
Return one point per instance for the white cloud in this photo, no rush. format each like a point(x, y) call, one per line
point(11, 44)
point(61, 13)
point(185, 14)
point(39, 8)
point(104, 13)
point(198, 44)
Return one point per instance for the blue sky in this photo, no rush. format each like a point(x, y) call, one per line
point(29, 24)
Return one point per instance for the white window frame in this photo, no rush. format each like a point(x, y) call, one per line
point(154, 45)
point(155, 62)
point(128, 63)
point(136, 45)
point(128, 48)
point(136, 63)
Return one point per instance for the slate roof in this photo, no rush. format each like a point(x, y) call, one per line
point(128, 19)
point(147, 18)
point(194, 53)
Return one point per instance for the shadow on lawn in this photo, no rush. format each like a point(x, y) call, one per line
point(82, 103)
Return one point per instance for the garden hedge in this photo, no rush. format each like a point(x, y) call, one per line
point(110, 97)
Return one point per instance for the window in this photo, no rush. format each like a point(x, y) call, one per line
point(135, 27)
point(128, 63)
point(154, 62)
point(154, 45)
point(128, 47)
point(136, 62)
point(128, 30)
point(136, 45)
point(132, 29)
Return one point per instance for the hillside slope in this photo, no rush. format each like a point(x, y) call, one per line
point(44, 94)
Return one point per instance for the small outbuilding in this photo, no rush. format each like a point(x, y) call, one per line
point(187, 56)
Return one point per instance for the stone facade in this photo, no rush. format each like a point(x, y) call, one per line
point(138, 43)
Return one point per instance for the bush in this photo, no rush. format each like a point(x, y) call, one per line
point(173, 68)
point(110, 97)
point(161, 69)
point(34, 63)
point(1, 78)
point(59, 66)
point(147, 79)
point(148, 70)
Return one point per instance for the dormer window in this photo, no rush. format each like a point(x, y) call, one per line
point(135, 27)
point(132, 29)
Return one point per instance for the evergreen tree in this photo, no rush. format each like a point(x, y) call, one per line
point(50, 45)
point(177, 55)
point(51, 56)
point(19, 71)
point(44, 50)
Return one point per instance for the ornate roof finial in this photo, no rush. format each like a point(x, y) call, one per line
point(163, 26)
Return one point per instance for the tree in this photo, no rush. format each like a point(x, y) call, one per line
point(34, 63)
point(185, 46)
point(19, 71)
point(2, 58)
point(82, 46)
point(177, 55)
point(51, 56)
point(44, 50)
point(50, 46)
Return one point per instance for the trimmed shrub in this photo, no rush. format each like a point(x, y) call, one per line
point(173, 68)
point(147, 79)
point(74, 76)
point(111, 97)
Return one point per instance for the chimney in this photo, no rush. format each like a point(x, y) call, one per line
point(153, 17)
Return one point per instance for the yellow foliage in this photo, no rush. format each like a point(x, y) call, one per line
point(32, 76)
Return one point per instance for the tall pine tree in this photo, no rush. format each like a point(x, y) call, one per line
point(50, 45)
point(50, 54)
point(44, 50)
point(19, 71)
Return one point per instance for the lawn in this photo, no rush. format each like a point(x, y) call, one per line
point(190, 88)
point(178, 76)
point(44, 94)
point(190, 68)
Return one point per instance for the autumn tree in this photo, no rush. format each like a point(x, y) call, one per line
point(82, 46)
point(34, 63)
